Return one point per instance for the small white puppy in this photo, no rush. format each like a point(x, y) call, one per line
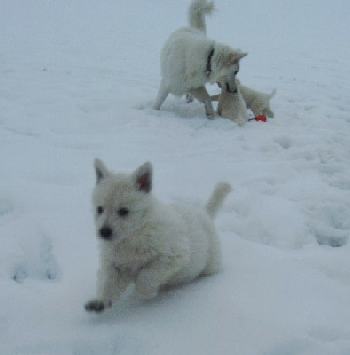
point(233, 104)
point(146, 242)
point(257, 101)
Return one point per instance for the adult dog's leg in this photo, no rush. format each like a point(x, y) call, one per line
point(162, 95)
point(189, 98)
point(202, 95)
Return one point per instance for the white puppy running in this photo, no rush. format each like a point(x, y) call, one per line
point(189, 60)
point(146, 242)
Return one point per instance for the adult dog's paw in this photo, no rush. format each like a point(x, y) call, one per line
point(210, 114)
point(95, 306)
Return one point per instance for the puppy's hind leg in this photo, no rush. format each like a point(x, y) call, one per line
point(155, 275)
point(161, 97)
point(202, 95)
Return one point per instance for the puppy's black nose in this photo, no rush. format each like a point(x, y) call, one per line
point(106, 233)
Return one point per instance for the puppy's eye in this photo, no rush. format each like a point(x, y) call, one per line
point(123, 212)
point(99, 210)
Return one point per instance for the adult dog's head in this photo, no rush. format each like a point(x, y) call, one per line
point(121, 201)
point(225, 65)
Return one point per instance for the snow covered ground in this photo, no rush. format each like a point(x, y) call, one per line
point(77, 81)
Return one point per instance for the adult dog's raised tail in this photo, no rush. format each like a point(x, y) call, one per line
point(216, 200)
point(273, 93)
point(197, 12)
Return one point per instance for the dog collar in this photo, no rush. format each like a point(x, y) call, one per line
point(210, 56)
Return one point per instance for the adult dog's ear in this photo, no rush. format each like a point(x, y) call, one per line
point(143, 177)
point(235, 57)
point(101, 170)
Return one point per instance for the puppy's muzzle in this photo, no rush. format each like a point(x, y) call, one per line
point(106, 233)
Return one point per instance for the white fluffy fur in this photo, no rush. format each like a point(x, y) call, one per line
point(257, 101)
point(197, 12)
point(184, 60)
point(232, 104)
point(154, 245)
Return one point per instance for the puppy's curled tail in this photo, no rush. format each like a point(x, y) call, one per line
point(222, 189)
point(197, 12)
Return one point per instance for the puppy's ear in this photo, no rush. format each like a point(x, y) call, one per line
point(143, 177)
point(101, 170)
point(235, 57)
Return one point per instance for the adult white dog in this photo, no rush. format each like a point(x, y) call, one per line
point(146, 242)
point(189, 60)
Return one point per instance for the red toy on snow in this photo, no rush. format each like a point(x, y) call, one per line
point(261, 118)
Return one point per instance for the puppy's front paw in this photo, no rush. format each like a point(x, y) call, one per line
point(95, 306)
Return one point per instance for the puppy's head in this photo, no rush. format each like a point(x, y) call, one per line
point(121, 201)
